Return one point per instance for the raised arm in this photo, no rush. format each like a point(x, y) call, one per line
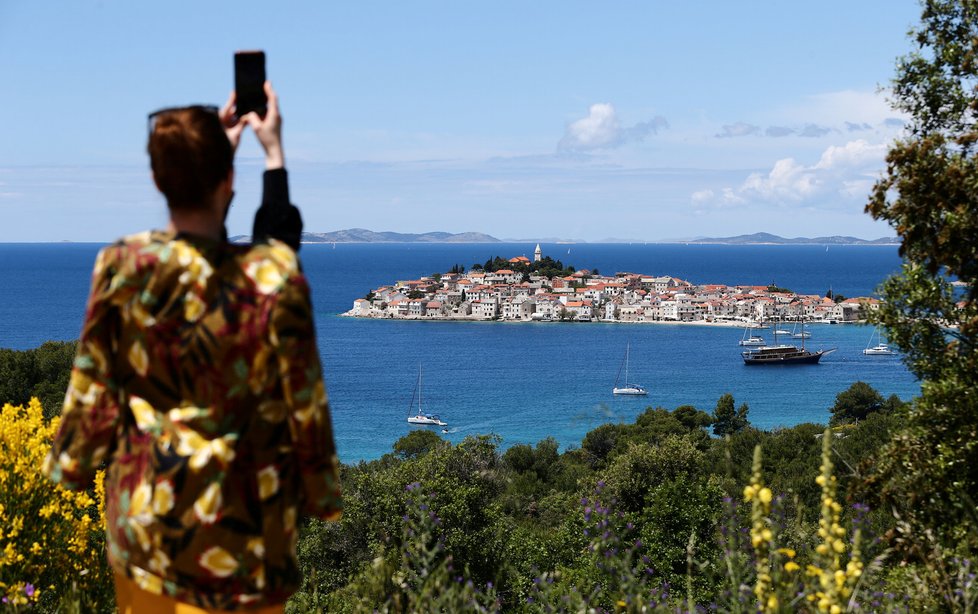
point(276, 218)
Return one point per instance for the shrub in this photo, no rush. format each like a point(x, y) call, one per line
point(51, 539)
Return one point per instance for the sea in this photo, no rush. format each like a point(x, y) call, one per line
point(522, 382)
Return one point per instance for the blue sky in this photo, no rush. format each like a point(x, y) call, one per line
point(637, 120)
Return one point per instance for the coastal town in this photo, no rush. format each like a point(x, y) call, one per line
point(543, 290)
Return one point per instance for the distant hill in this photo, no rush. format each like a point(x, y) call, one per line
point(766, 238)
point(362, 235)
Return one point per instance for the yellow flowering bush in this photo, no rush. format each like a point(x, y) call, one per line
point(775, 584)
point(761, 537)
point(51, 539)
point(835, 583)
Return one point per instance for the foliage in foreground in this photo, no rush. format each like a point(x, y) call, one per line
point(642, 517)
point(51, 539)
point(928, 195)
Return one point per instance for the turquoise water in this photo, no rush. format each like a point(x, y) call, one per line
point(521, 381)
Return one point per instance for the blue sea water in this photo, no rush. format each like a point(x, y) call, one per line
point(520, 381)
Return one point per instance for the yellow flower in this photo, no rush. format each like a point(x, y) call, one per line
point(749, 492)
point(143, 412)
point(764, 495)
point(791, 566)
point(138, 358)
point(788, 552)
point(163, 498)
point(218, 562)
point(207, 507)
point(266, 276)
point(159, 562)
point(147, 581)
point(256, 546)
point(187, 413)
point(267, 482)
point(193, 307)
point(216, 448)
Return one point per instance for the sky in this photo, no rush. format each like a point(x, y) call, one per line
point(577, 120)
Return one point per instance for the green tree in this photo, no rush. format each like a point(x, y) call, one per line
point(727, 420)
point(692, 418)
point(929, 194)
point(417, 443)
point(42, 372)
point(855, 403)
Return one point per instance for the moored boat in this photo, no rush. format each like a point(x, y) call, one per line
point(422, 417)
point(881, 348)
point(628, 388)
point(783, 355)
point(751, 340)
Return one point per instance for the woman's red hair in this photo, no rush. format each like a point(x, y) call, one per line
point(190, 156)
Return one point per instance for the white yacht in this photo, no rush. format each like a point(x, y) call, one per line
point(881, 348)
point(627, 388)
point(752, 340)
point(421, 417)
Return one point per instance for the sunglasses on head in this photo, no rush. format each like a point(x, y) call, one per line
point(152, 117)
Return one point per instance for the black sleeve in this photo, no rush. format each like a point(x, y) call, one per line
point(277, 218)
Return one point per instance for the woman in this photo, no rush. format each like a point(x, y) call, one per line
point(198, 385)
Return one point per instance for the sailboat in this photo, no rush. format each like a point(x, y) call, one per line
point(880, 349)
point(781, 331)
point(421, 417)
point(752, 340)
point(627, 388)
point(804, 334)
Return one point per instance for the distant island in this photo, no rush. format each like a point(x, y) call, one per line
point(362, 235)
point(764, 238)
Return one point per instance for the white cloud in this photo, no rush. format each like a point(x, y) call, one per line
point(601, 129)
point(858, 154)
point(703, 196)
point(843, 175)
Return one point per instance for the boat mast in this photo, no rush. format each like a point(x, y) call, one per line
point(627, 347)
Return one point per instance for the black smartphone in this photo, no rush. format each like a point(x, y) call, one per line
point(249, 82)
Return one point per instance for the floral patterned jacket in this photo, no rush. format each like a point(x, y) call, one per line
point(198, 383)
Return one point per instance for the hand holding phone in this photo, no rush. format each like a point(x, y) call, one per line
point(249, 83)
point(268, 129)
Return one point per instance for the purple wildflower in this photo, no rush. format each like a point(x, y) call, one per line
point(29, 589)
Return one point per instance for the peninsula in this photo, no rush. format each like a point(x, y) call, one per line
point(521, 290)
